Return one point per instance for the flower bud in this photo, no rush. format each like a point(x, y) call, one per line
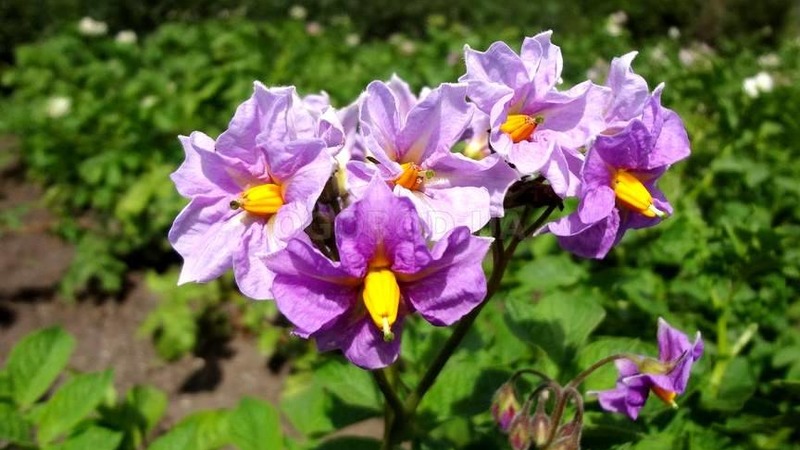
point(568, 437)
point(505, 406)
point(519, 432)
point(540, 423)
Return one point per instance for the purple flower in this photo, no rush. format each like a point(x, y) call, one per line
point(412, 139)
point(618, 180)
point(532, 123)
point(666, 376)
point(629, 94)
point(385, 273)
point(251, 190)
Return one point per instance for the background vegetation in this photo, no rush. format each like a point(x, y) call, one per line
point(98, 118)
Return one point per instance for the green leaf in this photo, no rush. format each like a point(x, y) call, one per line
point(256, 425)
point(333, 395)
point(94, 438)
point(13, 427)
point(204, 430)
point(559, 323)
point(736, 386)
point(36, 361)
point(149, 405)
point(72, 402)
point(351, 384)
point(137, 414)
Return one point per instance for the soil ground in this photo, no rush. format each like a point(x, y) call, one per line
point(32, 261)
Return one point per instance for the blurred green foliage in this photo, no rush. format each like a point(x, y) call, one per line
point(727, 263)
point(82, 412)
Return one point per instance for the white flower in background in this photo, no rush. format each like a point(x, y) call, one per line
point(58, 106)
point(148, 102)
point(352, 40)
point(408, 47)
point(658, 55)
point(90, 27)
point(697, 54)
point(769, 60)
point(298, 12)
point(598, 70)
point(314, 29)
point(761, 83)
point(615, 23)
point(126, 37)
point(674, 33)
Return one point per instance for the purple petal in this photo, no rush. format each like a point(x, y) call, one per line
point(309, 289)
point(491, 172)
point(596, 204)
point(252, 276)
point(626, 368)
point(274, 109)
point(531, 156)
point(443, 208)
point(616, 400)
point(587, 240)
point(453, 283)
point(405, 99)
point(630, 92)
point(204, 171)
point(543, 59)
point(380, 120)
point(286, 159)
point(671, 342)
point(563, 171)
point(362, 343)
point(306, 182)
point(434, 124)
point(627, 149)
point(576, 115)
point(206, 233)
point(380, 218)
point(493, 77)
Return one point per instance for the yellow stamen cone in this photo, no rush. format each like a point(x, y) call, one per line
point(632, 194)
point(264, 199)
point(382, 299)
point(667, 397)
point(520, 127)
point(411, 178)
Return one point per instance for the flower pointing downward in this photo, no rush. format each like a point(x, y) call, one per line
point(666, 377)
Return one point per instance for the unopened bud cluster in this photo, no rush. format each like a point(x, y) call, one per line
point(539, 423)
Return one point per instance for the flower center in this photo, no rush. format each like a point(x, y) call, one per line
point(412, 176)
point(261, 200)
point(382, 299)
point(520, 127)
point(632, 194)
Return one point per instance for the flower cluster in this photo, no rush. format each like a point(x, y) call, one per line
point(353, 219)
point(539, 421)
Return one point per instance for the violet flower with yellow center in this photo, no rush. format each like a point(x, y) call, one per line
point(666, 377)
point(412, 139)
point(537, 127)
point(252, 189)
point(618, 182)
point(386, 272)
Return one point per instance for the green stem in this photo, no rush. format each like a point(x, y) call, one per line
point(387, 389)
point(502, 256)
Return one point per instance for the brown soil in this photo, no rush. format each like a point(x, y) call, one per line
point(32, 261)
